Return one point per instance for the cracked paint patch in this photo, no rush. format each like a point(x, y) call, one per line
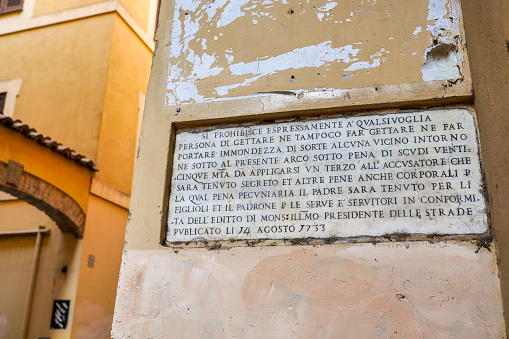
point(227, 48)
point(309, 56)
point(441, 56)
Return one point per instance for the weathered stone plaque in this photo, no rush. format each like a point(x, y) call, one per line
point(364, 175)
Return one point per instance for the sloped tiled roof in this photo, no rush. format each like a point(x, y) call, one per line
point(31, 133)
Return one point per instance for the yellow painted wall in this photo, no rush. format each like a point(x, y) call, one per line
point(81, 83)
point(104, 232)
point(50, 6)
point(65, 174)
point(58, 250)
point(139, 10)
point(16, 257)
point(64, 69)
point(127, 76)
point(128, 72)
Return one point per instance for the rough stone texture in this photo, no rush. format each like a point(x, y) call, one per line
point(56, 204)
point(392, 290)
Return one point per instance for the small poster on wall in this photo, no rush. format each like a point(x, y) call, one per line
point(60, 314)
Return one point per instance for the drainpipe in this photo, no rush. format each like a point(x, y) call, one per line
point(33, 275)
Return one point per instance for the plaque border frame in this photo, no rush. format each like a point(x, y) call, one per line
point(197, 126)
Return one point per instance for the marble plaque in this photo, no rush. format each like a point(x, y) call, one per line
point(349, 176)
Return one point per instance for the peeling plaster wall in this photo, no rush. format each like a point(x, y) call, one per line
point(232, 48)
point(230, 62)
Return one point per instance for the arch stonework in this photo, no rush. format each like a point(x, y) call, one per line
point(59, 206)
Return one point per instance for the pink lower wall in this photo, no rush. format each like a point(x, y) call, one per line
point(405, 290)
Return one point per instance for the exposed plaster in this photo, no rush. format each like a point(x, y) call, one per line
point(441, 56)
point(214, 51)
point(441, 64)
point(309, 56)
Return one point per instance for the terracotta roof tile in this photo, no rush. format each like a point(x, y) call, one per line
point(44, 140)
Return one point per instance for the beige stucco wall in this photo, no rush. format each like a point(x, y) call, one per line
point(487, 27)
point(401, 289)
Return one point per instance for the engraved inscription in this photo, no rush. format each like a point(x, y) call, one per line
point(364, 175)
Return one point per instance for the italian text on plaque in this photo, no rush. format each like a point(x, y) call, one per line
point(350, 176)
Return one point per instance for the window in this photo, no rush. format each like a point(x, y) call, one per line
point(2, 101)
point(9, 91)
point(7, 6)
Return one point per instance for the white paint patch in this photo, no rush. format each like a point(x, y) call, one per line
point(381, 52)
point(203, 66)
point(441, 64)
point(231, 12)
point(185, 91)
point(446, 25)
point(328, 6)
point(310, 56)
point(193, 58)
point(441, 59)
point(363, 65)
point(223, 90)
point(376, 61)
point(436, 9)
point(190, 5)
point(229, 56)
